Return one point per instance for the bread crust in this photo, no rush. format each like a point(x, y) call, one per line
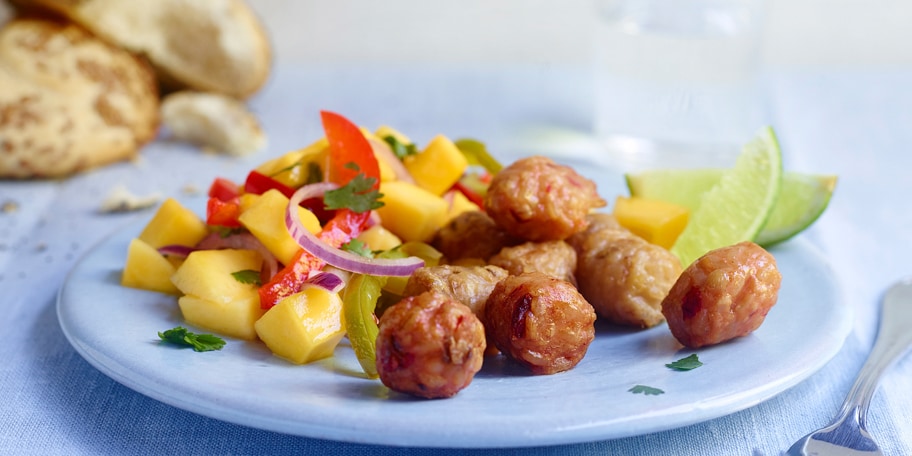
point(216, 46)
point(70, 101)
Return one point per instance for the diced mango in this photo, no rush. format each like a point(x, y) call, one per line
point(656, 221)
point(265, 218)
point(379, 238)
point(303, 327)
point(293, 168)
point(234, 319)
point(438, 166)
point(207, 274)
point(458, 204)
point(247, 200)
point(214, 299)
point(147, 269)
point(411, 212)
point(173, 224)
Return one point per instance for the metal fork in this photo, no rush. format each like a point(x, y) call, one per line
point(846, 435)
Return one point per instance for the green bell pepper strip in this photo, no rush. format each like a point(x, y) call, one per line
point(477, 154)
point(359, 299)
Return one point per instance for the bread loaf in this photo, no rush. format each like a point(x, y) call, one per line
point(206, 45)
point(211, 121)
point(69, 101)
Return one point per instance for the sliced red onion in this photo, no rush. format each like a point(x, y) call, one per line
point(336, 257)
point(248, 241)
point(176, 250)
point(326, 280)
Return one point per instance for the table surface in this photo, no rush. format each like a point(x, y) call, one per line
point(850, 122)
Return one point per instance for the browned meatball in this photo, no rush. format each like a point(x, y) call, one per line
point(723, 295)
point(605, 225)
point(539, 200)
point(429, 346)
point(470, 285)
point(472, 234)
point(554, 258)
point(624, 277)
point(541, 322)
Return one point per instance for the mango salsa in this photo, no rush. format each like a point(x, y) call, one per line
point(265, 218)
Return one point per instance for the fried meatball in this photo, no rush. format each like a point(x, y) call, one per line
point(537, 199)
point(723, 295)
point(472, 234)
point(540, 322)
point(470, 285)
point(554, 258)
point(601, 228)
point(624, 277)
point(429, 346)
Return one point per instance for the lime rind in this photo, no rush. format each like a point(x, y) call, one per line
point(803, 199)
point(736, 209)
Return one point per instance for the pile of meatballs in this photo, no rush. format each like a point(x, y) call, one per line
point(527, 277)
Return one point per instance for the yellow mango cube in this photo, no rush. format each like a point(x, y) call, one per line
point(233, 319)
point(265, 218)
point(292, 168)
point(438, 166)
point(379, 238)
point(303, 327)
point(173, 224)
point(411, 212)
point(216, 300)
point(207, 274)
point(147, 269)
point(658, 222)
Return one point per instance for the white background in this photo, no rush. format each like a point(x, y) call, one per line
point(797, 32)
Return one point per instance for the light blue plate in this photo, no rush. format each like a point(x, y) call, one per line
point(115, 329)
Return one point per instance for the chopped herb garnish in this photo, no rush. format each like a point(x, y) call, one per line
point(199, 342)
point(224, 231)
point(685, 364)
point(647, 390)
point(358, 247)
point(400, 148)
point(248, 276)
point(358, 195)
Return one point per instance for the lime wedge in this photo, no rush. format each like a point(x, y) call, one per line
point(736, 208)
point(802, 198)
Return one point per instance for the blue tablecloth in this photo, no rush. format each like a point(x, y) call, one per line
point(854, 123)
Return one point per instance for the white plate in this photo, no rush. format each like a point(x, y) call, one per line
point(115, 329)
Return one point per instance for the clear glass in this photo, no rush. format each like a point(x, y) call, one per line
point(678, 82)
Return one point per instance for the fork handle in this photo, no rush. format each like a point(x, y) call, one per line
point(894, 336)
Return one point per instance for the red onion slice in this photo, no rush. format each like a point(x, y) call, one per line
point(327, 281)
point(176, 250)
point(336, 257)
point(383, 152)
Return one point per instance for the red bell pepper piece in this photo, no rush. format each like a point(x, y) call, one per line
point(259, 183)
point(223, 213)
point(470, 194)
point(224, 189)
point(348, 145)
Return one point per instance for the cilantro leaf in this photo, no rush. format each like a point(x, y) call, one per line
point(647, 390)
point(247, 276)
point(400, 148)
point(199, 342)
point(685, 364)
point(358, 195)
point(358, 247)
